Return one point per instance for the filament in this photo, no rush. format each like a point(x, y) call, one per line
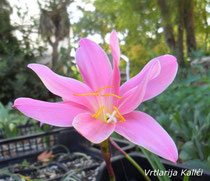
point(118, 112)
point(87, 94)
point(98, 113)
point(104, 88)
point(112, 95)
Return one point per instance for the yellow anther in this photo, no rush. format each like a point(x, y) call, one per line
point(97, 93)
point(87, 94)
point(113, 95)
point(118, 112)
point(98, 113)
point(104, 88)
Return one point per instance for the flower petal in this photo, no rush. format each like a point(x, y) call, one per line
point(133, 97)
point(166, 76)
point(93, 64)
point(63, 86)
point(56, 114)
point(160, 78)
point(94, 130)
point(114, 45)
point(143, 130)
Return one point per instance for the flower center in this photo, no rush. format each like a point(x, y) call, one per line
point(104, 115)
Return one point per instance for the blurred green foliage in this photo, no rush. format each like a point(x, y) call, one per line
point(183, 110)
point(13, 123)
point(16, 80)
point(9, 122)
point(140, 26)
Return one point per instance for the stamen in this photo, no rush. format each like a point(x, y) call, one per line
point(117, 116)
point(113, 95)
point(98, 113)
point(87, 94)
point(104, 88)
point(118, 112)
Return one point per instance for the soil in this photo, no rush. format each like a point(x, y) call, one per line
point(60, 167)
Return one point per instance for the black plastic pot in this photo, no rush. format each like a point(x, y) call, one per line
point(75, 142)
point(27, 129)
point(125, 171)
point(16, 149)
point(23, 147)
point(126, 146)
point(59, 168)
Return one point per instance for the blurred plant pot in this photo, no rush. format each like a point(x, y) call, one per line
point(28, 147)
point(14, 149)
point(76, 142)
point(125, 171)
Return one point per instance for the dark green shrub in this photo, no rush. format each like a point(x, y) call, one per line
point(183, 110)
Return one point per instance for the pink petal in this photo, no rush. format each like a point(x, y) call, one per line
point(94, 130)
point(56, 114)
point(143, 130)
point(160, 78)
point(63, 86)
point(134, 96)
point(114, 45)
point(93, 64)
point(166, 76)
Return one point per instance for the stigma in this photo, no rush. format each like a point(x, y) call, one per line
point(111, 117)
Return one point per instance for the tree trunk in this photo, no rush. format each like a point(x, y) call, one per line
point(168, 29)
point(180, 47)
point(189, 25)
point(54, 55)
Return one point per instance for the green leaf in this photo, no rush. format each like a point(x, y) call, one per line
point(188, 151)
point(198, 164)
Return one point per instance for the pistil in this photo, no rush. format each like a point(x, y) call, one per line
point(111, 117)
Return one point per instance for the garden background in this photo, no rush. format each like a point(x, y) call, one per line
point(146, 29)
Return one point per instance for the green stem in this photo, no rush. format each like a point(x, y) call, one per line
point(160, 166)
point(186, 177)
point(130, 159)
point(155, 164)
point(137, 166)
point(149, 158)
point(105, 150)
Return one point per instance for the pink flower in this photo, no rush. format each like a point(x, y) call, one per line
point(100, 106)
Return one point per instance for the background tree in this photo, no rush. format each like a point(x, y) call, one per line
point(15, 79)
point(8, 43)
point(54, 24)
point(144, 24)
point(185, 20)
point(137, 23)
point(188, 16)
